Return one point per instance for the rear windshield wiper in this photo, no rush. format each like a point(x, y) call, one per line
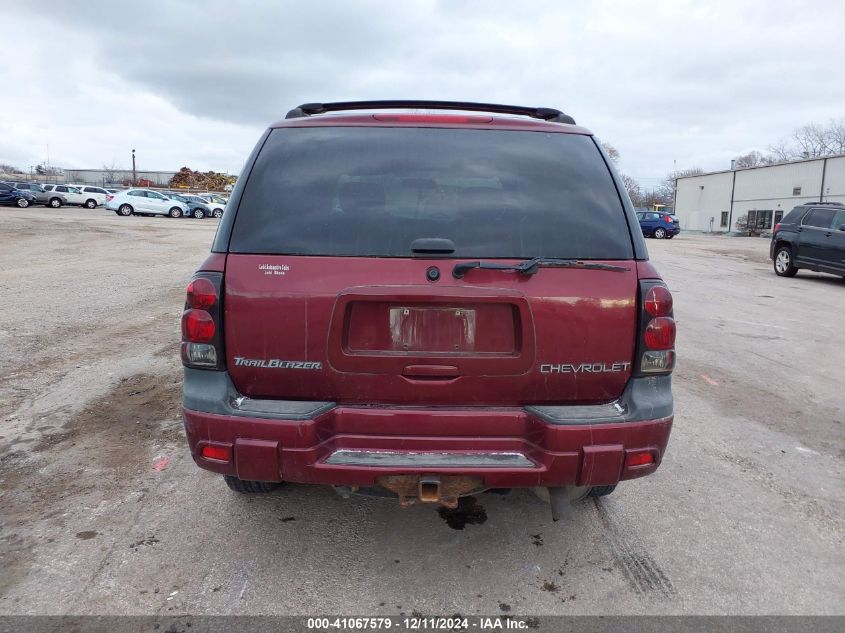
point(531, 266)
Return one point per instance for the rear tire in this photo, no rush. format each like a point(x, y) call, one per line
point(659, 233)
point(784, 266)
point(601, 491)
point(218, 213)
point(90, 204)
point(175, 212)
point(249, 487)
point(124, 210)
point(198, 213)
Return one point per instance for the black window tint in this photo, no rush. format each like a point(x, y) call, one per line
point(821, 218)
point(61, 189)
point(4, 187)
point(372, 191)
point(794, 216)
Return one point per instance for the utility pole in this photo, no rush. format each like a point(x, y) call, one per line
point(134, 180)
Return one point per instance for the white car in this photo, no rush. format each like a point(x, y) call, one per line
point(217, 203)
point(96, 195)
point(144, 202)
point(72, 195)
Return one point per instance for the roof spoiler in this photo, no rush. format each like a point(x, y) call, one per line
point(546, 114)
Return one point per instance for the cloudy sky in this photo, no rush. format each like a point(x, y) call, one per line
point(194, 83)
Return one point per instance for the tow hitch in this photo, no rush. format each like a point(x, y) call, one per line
point(442, 489)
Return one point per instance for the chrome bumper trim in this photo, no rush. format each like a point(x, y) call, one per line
point(349, 457)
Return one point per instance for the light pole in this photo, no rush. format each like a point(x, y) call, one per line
point(134, 180)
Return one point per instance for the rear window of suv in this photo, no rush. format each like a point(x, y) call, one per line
point(356, 191)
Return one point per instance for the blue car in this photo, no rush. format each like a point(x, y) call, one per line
point(10, 195)
point(658, 225)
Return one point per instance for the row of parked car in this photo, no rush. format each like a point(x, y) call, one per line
point(121, 201)
point(173, 204)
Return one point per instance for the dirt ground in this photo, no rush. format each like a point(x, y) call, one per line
point(102, 510)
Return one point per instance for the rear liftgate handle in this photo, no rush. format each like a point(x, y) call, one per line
point(431, 372)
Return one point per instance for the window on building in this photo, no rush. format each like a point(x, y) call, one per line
point(796, 191)
point(778, 215)
point(724, 221)
point(760, 219)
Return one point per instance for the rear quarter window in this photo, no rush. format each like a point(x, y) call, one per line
point(355, 191)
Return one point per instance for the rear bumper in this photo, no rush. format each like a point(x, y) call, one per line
point(322, 443)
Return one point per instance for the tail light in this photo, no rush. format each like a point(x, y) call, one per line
point(202, 331)
point(656, 346)
point(777, 228)
point(110, 197)
point(668, 219)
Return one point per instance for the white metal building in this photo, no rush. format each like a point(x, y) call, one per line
point(714, 201)
point(103, 177)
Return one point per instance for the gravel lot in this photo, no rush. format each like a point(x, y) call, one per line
point(102, 510)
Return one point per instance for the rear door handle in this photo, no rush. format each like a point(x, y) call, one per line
point(828, 233)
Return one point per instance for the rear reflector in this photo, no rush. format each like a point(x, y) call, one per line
point(215, 451)
point(639, 459)
point(660, 333)
point(197, 326)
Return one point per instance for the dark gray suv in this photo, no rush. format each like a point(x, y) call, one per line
point(811, 236)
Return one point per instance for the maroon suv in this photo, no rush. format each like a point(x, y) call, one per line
point(431, 304)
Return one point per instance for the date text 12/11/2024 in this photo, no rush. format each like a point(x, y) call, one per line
point(422, 623)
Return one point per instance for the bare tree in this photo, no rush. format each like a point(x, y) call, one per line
point(612, 152)
point(741, 224)
point(633, 188)
point(781, 151)
point(753, 159)
point(110, 172)
point(9, 169)
point(813, 140)
point(665, 192)
point(836, 136)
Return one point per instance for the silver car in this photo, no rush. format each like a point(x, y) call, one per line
point(43, 196)
point(196, 207)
